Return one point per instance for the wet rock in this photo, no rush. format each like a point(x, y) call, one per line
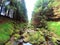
point(42, 42)
point(27, 43)
point(35, 44)
point(20, 40)
point(58, 42)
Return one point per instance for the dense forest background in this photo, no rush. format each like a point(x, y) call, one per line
point(13, 17)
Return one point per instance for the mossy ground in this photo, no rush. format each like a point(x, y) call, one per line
point(7, 28)
point(54, 27)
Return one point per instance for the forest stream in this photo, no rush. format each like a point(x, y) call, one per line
point(29, 22)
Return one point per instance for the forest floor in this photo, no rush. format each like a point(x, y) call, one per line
point(35, 36)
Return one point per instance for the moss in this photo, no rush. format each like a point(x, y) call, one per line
point(55, 27)
point(6, 29)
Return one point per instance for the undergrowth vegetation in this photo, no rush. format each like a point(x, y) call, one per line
point(54, 27)
point(6, 29)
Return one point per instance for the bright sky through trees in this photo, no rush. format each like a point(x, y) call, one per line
point(30, 6)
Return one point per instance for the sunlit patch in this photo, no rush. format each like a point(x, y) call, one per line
point(30, 6)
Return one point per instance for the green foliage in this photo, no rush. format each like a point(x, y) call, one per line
point(33, 37)
point(19, 9)
point(36, 37)
point(43, 9)
point(16, 36)
point(39, 4)
point(6, 30)
point(56, 3)
point(22, 25)
point(55, 27)
point(9, 43)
